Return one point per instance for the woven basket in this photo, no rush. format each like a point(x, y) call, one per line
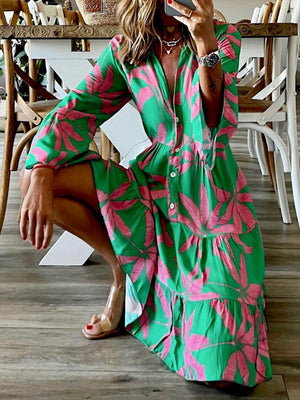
point(105, 11)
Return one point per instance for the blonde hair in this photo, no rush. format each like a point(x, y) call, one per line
point(137, 21)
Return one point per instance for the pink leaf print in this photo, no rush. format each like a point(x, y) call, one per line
point(204, 296)
point(196, 342)
point(163, 272)
point(204, 209)
point(109, 209)
point(161, 133)
point(243, 271)
point(225, 314)
point(229, 113)
point(231, 96)
point(191, 208)
point(55, 161)
point(41, 133)
point(143, 95)
point(247, 249)
point(164, 237)
point(230, 370)
point(195, 271)
point(241, 181)
point(260, 371)
point(40, 154)
point(192, 240)
point(229, 264)
point(197, 284)
point(137, 269)
point(167, 347)
point(227, 49)
point(163, 300)
point(193, 342)
point(243, 367)
point(146, 262)
point(150, 231)
point(234, 40)
point(64, 131)
point(191, 362)
point(189, 223)
point(228, 79)
point(145, 323)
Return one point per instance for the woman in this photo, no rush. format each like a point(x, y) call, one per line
point(178, 227)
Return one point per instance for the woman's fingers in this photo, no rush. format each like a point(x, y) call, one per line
point(36, 224)
point(32, 227)
point(23, 225)
point(182, 9)
point(48, 231)
point(39, 233)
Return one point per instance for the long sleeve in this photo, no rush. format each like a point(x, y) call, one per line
point(216, 139)
point(65, 134)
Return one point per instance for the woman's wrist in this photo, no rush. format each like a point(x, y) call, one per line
point(43, 173)
point(205, 47)
point(39, 165)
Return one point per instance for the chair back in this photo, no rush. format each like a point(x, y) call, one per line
point(16, 8)
point(50, 14)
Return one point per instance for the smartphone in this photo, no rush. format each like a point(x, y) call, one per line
point(171, 11)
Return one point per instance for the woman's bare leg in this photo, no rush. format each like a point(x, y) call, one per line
point(76, 210)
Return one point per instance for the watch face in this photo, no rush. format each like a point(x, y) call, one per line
point(212, 59)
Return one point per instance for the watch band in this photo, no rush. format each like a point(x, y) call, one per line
point(209, 60)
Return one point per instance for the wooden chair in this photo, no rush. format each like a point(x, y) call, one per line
point(219, 16)
point(18, 111)
point(273, 106)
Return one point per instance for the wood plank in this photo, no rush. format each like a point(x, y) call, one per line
point(284, 347)
point(292, 383)
point(283, 287)
point(107, 31)
point(43, 310)
point(283, 310)
point(113, 385)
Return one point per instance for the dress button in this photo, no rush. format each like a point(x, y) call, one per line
point(172, 206)
point(177, 119)
point(173, 174)
point(177, 149)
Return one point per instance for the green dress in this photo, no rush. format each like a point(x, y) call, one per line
point(180, 218)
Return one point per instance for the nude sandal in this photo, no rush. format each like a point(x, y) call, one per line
point(100, 325)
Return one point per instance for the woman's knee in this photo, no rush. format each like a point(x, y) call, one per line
point(76, 182)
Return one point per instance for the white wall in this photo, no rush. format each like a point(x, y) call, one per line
point(234, 10)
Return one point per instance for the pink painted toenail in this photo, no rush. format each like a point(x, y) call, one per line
point(89, 327)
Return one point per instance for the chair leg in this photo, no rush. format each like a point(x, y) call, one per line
point(295, 169)
point(281, 189)
point(260, 155)
point(5, 174)
point(251, 135)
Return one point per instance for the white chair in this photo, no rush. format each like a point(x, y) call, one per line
point(48, 14)
point(259, 112)
point(250, 76)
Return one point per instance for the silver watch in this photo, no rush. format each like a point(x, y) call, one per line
point(210, 60)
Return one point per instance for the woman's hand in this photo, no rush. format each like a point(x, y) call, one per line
point(37, 209)
point(199, 21)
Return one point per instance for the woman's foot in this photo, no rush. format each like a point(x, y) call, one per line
point(108, 322)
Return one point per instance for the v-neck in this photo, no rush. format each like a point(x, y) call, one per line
point(161, 77)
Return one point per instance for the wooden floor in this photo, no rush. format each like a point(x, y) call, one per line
point(43, 354)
